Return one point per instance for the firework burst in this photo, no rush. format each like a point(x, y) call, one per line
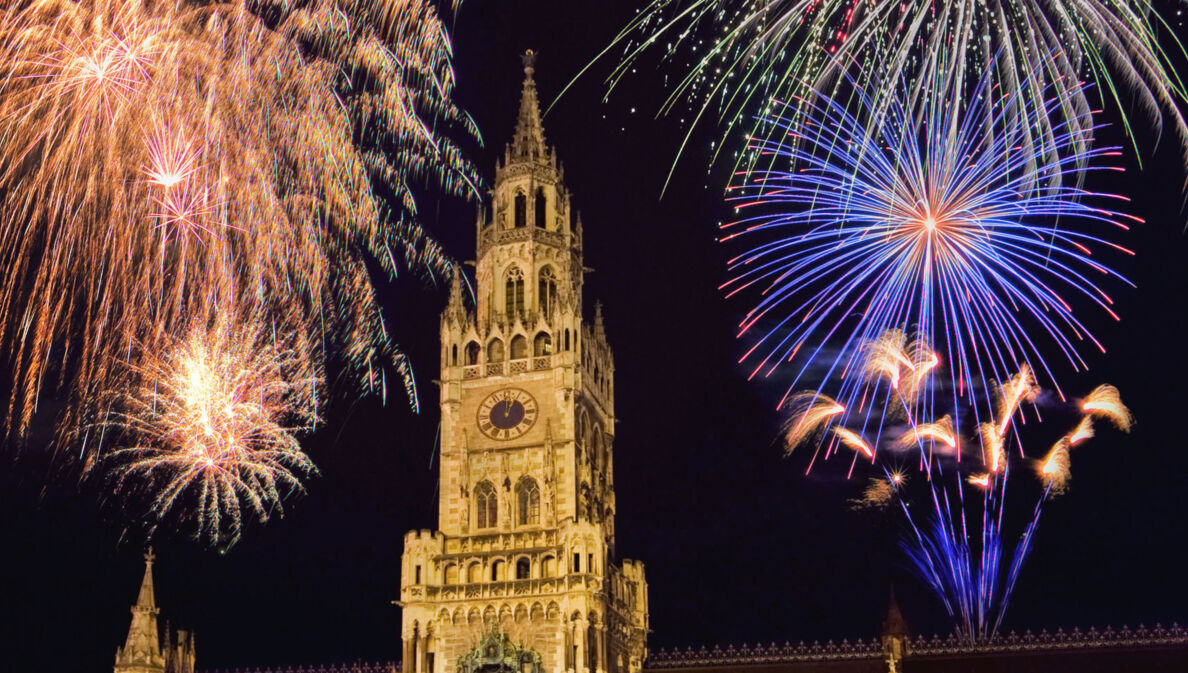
point(940, 220)
point(211, 427)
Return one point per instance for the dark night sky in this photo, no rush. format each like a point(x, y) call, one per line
point(740, 545)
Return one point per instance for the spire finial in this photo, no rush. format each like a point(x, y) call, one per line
point(529, 60)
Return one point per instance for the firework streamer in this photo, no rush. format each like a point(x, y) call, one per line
point(733, 56)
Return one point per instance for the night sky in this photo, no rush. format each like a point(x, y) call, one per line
point(739, 544)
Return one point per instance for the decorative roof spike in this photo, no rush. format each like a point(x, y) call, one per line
point(528, 143)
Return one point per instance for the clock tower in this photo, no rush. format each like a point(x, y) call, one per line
point(525, 553)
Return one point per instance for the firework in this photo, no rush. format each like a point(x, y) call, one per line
point(923, 434)
point(166, 160)
point(940, 220)
point(854, 441)
point(813, 411)
point(878, 494)
point(211, 423)
point(1054, 469)
point(735, 55)
point(958, 548)
point(1105, 402)
point(1083, 431)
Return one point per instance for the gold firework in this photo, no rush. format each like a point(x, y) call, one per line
point(210, 428)
point(1105, 402)
point(810, 412)
point(166, 160)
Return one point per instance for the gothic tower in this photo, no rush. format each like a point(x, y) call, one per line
point(526, 546)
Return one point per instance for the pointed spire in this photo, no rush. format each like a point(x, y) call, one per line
point(142, 648)
point(528, 143)
point(894, 624)
point(147, 599)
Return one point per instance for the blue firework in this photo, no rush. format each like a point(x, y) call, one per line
point(948, 218)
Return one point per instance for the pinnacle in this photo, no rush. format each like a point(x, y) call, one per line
point(528, 143)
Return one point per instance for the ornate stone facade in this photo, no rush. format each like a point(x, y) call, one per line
point(527, 503)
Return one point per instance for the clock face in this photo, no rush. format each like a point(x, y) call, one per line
point(507, 414)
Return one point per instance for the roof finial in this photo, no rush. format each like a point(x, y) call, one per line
point(529, 59)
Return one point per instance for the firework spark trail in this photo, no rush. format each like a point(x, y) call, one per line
point(938, 219)
point(212, 424)
point(161, 160)
point(735, 55)
point(959, 551)
point(1105, 402)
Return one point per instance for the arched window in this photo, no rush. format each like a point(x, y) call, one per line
point(451, 574)
point(548, 566)
point(542, 345)
point(566, 340)
point(513, 296)
point(539, 209)
point(485, 502)
point(519, 347)
point(472, 353)
point(495, 351)
point(546, 291)
point(474, 573)
point(523, 569)
point(527, 502)
point(521, 210)
point(497, 571)
point(454, 359)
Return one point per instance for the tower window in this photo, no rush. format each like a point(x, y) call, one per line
point(472, 353)
point(514, 292)
point(540, 209)
point(577, 563)
point(474, 573)
point(523, 569)
point(521, 208)
point(542, 345)
point(451, 574)
point(519, 347)
point(454, 359)
point(486, 503)
point(495, 351)
point(417, 579)
point(566, 340)
point(496, 571)
point(547, 291)
point(527, 502)
point(548, 567)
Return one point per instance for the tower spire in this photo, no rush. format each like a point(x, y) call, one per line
point(528, 143)
point(142, 649)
